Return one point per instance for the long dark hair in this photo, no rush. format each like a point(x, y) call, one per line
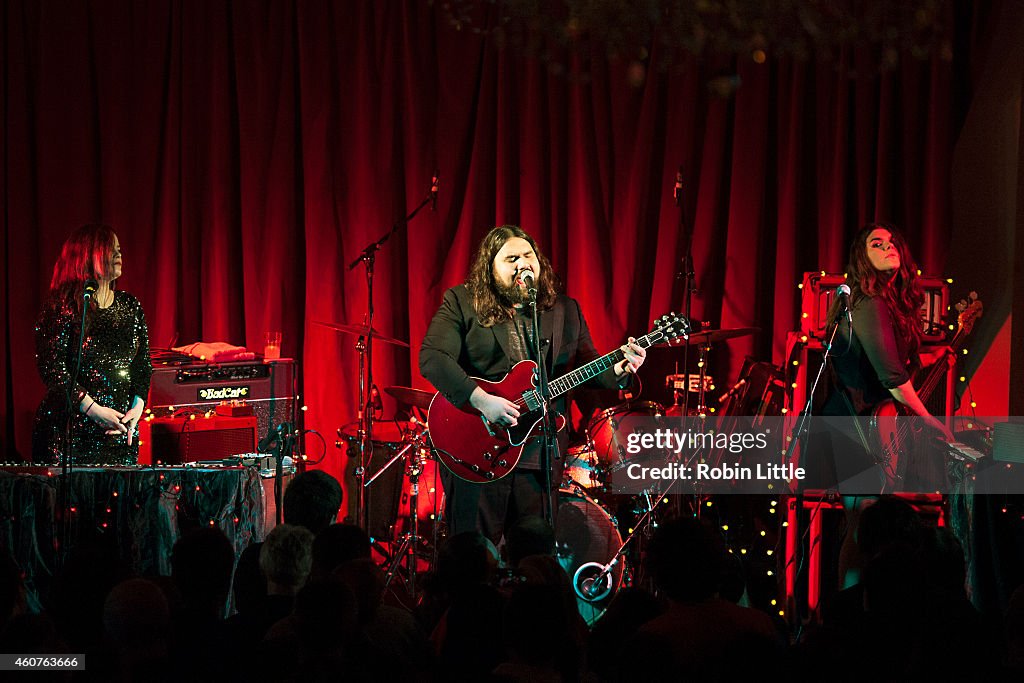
point(490, 308)
point(85, 254)
point(901, 291)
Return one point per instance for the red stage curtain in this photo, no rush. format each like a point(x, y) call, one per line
point(246, 151)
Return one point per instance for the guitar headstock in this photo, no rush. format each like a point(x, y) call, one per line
point(670, 327)
point(970, 310)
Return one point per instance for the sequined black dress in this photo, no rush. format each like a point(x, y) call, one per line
point(115, 369)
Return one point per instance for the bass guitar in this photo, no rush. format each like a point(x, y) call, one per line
point(892, 430)
point(479, 451)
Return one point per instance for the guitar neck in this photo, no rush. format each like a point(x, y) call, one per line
point(571, 380)
point(936, 372)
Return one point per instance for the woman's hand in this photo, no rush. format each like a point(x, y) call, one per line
point(107, 418)
point(132, 417)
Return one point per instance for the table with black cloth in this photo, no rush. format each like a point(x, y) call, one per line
point(140, 510)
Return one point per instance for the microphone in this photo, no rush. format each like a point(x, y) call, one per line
point(273, 438)
point(677, 192)
point(434, 183)
point(90, 288)
point(843, 294)
point(732, 392)
point(531, 285)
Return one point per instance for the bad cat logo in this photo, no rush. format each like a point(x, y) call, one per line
point(223, 393)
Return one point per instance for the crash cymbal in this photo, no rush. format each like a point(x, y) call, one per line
point(417, 398)
point(362, 331)
point(712, 336)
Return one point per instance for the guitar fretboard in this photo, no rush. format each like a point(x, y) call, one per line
point(571, 380)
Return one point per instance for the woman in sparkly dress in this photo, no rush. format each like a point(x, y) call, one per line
point(109, 395)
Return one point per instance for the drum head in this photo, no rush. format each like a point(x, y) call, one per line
point(586, 536)
point(609, 435)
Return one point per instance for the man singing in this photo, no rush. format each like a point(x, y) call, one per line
point(482, 329)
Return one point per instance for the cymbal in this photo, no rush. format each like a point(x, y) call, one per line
point(362, 331)
point(384, 431)
point(417, 398)
point(712, 336)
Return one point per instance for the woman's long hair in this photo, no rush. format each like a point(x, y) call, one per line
point(489, 305)
point(85, 255)
point(901, 290)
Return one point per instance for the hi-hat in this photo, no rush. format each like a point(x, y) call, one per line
point(362, 331)
point(417, 398)
point(712, 336)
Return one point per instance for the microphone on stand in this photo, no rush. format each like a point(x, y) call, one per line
point(843, 294)
point(531, 285)
point(90, 288)
point(435, 182)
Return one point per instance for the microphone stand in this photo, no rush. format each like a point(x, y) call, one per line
point(805, 414)
point(549, 449)
point(364, 347)
point(65, 465)
point(689, 278)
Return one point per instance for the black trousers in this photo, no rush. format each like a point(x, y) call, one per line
point(493, 507)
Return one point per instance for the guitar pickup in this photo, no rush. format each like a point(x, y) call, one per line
point(532, 400)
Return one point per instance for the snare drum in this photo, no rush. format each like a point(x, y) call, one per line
point(585, 540)
point(609, 434)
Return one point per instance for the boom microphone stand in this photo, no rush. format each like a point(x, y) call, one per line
point(365, 347)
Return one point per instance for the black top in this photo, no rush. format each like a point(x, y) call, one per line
point(877, 359)
point(115, 369)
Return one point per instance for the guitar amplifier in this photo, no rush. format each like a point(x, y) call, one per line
point(818, 290)
point(269, 387)
point(178, 440)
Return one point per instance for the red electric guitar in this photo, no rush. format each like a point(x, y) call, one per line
point(891, 429)
point(479, 451)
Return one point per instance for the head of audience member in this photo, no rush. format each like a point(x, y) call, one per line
point(947, 565)
point(312, 500)
point(889, 520)
point(201, 565)
point(12, 589)
point(685, 558)
point(366, 581)
point(336, 545)
point(137, 622)
point(75, 601)
point(531, 535)
point(540, 632)
point(467, 559)
point(286, 558)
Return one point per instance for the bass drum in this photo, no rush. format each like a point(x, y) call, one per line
point(585, 540)
point(609, 435)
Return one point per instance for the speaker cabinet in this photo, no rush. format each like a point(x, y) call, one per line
point(179, 440)
point(269, 387)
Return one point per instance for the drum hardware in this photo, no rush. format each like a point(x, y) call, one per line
point(586, 533)
point(415, 452)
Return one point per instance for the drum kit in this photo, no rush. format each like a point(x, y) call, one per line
point(406, 500)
